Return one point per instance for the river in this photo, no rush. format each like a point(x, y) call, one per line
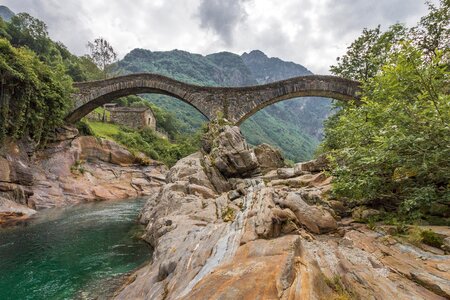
point(81, 252)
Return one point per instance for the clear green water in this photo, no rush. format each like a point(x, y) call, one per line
point(72, 253)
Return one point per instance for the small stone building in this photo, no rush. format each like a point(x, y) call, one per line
point(135, 117)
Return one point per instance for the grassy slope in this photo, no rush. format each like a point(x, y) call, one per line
point(104, 130)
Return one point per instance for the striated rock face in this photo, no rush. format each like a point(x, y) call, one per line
point(270, 237)
point(72, 170)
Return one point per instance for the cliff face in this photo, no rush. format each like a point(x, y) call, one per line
point(232, 223)
point(72, 169)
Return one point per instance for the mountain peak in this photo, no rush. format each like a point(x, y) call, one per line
point(255, 54)
point(5, 13)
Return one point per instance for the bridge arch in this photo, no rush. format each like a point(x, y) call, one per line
point(92, 94)
point(313, 86)
point(237, 103)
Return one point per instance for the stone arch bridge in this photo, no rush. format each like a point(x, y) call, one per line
point(236, 103)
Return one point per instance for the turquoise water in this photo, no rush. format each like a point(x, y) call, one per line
point(73, 253)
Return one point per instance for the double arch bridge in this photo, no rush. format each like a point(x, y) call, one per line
point(236, 103)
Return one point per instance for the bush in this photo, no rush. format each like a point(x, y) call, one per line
point(84, 128)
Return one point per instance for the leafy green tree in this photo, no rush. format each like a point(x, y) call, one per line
point(393, 149)
point(26, 30)
point(102, 54)
point(368, 53)
point(433, 31)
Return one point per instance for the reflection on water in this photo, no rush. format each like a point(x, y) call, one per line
point(65, 253)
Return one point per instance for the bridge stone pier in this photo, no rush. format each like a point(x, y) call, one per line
point(236, 103)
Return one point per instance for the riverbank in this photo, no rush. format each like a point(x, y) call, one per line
point(71, 169)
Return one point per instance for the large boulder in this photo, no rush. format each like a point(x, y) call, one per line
point(268, 157)
point(315, 218)
point(316, 165)
point(230, 153)
point(104, 150)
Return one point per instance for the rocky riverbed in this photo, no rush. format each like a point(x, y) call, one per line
point(71, 169)
point(232, 223)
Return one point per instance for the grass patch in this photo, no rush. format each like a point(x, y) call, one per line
point(104, 130)
point(228, 214)
point(78, 168)
point(335, 283)
point(431, 238)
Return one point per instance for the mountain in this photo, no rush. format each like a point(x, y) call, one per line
point(295, 126)
point(5, 13)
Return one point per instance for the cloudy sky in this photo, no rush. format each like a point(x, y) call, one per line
point(310, 32)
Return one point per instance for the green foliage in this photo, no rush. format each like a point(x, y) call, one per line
point(433, 31)
point(148, 142)
point(392, 150)
point(394, 147)
point(431, 238)
point(35, 96)
point(228, 214)
point(26, 31)
point(368, 53)
point(78, 167)
point(335, 283)
point(417, 236)
point(268, 128)
point(84, 128)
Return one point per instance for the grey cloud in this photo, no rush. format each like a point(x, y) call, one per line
point(318, 31)
point(221, 16)
point(65, 20)
point(347, 16)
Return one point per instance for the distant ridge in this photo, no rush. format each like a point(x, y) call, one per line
point(5, 13)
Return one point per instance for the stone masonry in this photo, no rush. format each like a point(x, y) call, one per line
point(236, 103)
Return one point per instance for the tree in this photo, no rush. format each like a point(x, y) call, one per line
point(29, 31)
point(433, 31)
point(102, 54)
point(393, 149)
point(368, 53)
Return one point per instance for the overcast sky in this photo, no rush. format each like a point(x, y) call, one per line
point(309, 32)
